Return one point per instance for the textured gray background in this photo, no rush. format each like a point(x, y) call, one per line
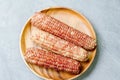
point(103, 14)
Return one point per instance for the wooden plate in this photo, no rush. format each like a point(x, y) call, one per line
point(69, 17)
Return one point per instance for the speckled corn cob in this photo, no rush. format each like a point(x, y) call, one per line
point(41, 57)
point(58, 45)
point(58, 28)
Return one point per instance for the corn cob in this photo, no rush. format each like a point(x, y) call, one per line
point(58, 45)
point(58, 28)
point(42, 57)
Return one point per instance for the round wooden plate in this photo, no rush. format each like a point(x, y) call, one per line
point(70, 17)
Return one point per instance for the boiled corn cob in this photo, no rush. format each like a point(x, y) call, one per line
point(58, 45)
point(42, 57)
point(58, 28)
